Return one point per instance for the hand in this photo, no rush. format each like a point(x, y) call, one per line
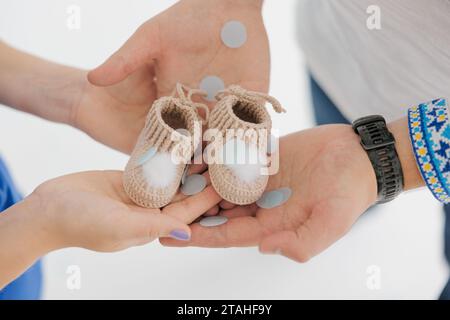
point(332, 182)
point(182, 44)
point(91, 210)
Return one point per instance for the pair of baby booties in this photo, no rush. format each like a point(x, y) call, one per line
point(168, 140)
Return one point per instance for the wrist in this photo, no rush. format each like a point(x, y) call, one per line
point(36, 217)
point(364, 168)
point(25, 78)
point(66, 87)
point(23, 227)
point(411, 176)
point(24, 238)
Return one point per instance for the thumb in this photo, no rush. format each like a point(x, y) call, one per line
point(140, 49)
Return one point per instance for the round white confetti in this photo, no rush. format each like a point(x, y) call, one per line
point(274, 198)
point(270, 199)
point(234, 34)
point(212, 85)
point(287, 192)
point(193, 184)
point(213, 221)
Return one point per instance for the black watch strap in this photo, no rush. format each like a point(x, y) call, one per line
point(379, 144)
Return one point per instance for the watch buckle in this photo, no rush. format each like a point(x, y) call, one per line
point(381, 144)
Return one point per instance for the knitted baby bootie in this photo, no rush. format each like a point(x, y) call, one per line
point(239, 146)
point(164, 147)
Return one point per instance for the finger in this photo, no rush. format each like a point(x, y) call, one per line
point(197, 168)
point(325, 225)
point(155, 225)
point(239, 211)
point(224, 204)
point(141, 48)
point(212, 212)
point(238, 232)
point(194, 206)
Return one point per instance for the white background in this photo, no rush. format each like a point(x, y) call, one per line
point(404, 238)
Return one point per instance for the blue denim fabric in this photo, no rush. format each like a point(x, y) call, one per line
point(28, 285)
point(326, 113)
point(445, 295)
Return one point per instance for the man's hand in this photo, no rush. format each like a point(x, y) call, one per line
point(332, 182)
point(182, 44)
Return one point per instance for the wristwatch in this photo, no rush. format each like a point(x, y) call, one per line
point(379, 144)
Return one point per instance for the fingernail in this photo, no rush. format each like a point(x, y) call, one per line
point(180, 235)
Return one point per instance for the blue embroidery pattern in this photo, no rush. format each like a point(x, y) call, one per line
point(429, 130)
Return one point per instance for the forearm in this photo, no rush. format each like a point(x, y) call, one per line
point(37, 86)
point(23, 239)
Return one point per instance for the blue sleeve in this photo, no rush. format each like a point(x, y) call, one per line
point(29, 285)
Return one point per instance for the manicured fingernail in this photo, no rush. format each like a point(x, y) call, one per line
point(180, 235)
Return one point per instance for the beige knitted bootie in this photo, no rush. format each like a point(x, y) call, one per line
point(164, 147)
point(239, 146)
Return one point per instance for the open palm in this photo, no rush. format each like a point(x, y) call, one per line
point(182, 44)
point(91, 210)
point(332, 183)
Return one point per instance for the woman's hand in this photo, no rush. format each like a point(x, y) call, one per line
point(91, 210)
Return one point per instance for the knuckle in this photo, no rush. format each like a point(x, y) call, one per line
point(151, 230)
